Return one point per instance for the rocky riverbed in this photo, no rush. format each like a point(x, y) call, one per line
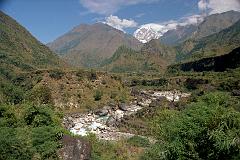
point(103, 123)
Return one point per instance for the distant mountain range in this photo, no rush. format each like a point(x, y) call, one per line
point(104, 47)
point(211, 24)
point(89, 45)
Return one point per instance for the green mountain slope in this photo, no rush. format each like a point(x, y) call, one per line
point(153, 57)
point(89, 45)
point(213, 45)
point(19, 50)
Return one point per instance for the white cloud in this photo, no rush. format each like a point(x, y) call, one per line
point(120, 24)
point(202, 4)
point(107, 7)
point(188, 20)
point(219, 6)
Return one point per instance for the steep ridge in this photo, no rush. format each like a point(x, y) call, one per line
point(89, 45)
point(20, 53)
point(216, 23)
point(212, 24)
point(213, 45)
point(20, 50)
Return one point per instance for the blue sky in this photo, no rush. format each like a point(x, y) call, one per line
point(49, 19)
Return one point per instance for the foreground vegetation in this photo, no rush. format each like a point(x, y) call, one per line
point(29, 131)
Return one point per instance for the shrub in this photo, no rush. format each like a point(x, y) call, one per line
point(41, 94)
point(35, 132)
point(45, 140)
point(93, 75)
point(13, 94)
point(138, 141)
point(11, 147)
point(56, 74)
point(98, 95)
point(206, 129)
point(113, 94)
point(40, 115)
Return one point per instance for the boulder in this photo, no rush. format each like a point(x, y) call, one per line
point(113, 106)
point(155, 103)
point(68, 122)
point(236, 92)
point(134, 92)
point(74, 149)
point(123, 107)
point(111, 121)
point(103, 112)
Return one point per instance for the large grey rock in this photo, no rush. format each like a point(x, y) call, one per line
point(236, 92)
point(103, 112)
point(154, 103)
point(111, 121)
point(74, 149)
point(123, 107)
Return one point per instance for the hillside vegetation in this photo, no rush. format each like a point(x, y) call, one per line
point(153, 57)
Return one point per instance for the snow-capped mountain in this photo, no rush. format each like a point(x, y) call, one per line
point(150, 31)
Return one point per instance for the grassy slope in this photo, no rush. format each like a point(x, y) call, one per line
point(20, 52)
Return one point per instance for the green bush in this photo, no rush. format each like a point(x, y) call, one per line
point(45, 140)
point(92, 75)
point(56, 74)
point(98, 95)
point(206, 129)
point(7, 117)
point(38, 116)
point(29, 132)
point(41, 94)
point(13, 94)
point(12, 147)
point(138, 141)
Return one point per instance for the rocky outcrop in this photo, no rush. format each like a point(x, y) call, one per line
point(75, 149)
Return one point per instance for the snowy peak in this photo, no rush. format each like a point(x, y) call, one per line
point(148, 32)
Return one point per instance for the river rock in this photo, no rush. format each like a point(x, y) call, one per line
point(103, 112)
point(236, 92)
point(74, 149)
point(111, 121)
point(135, 92)
point(155, 103)
point(123, 107)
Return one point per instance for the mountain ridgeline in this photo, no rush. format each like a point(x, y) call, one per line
point(210, 25)
point(89, 45)
point(102, 46)
point(213, 45)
